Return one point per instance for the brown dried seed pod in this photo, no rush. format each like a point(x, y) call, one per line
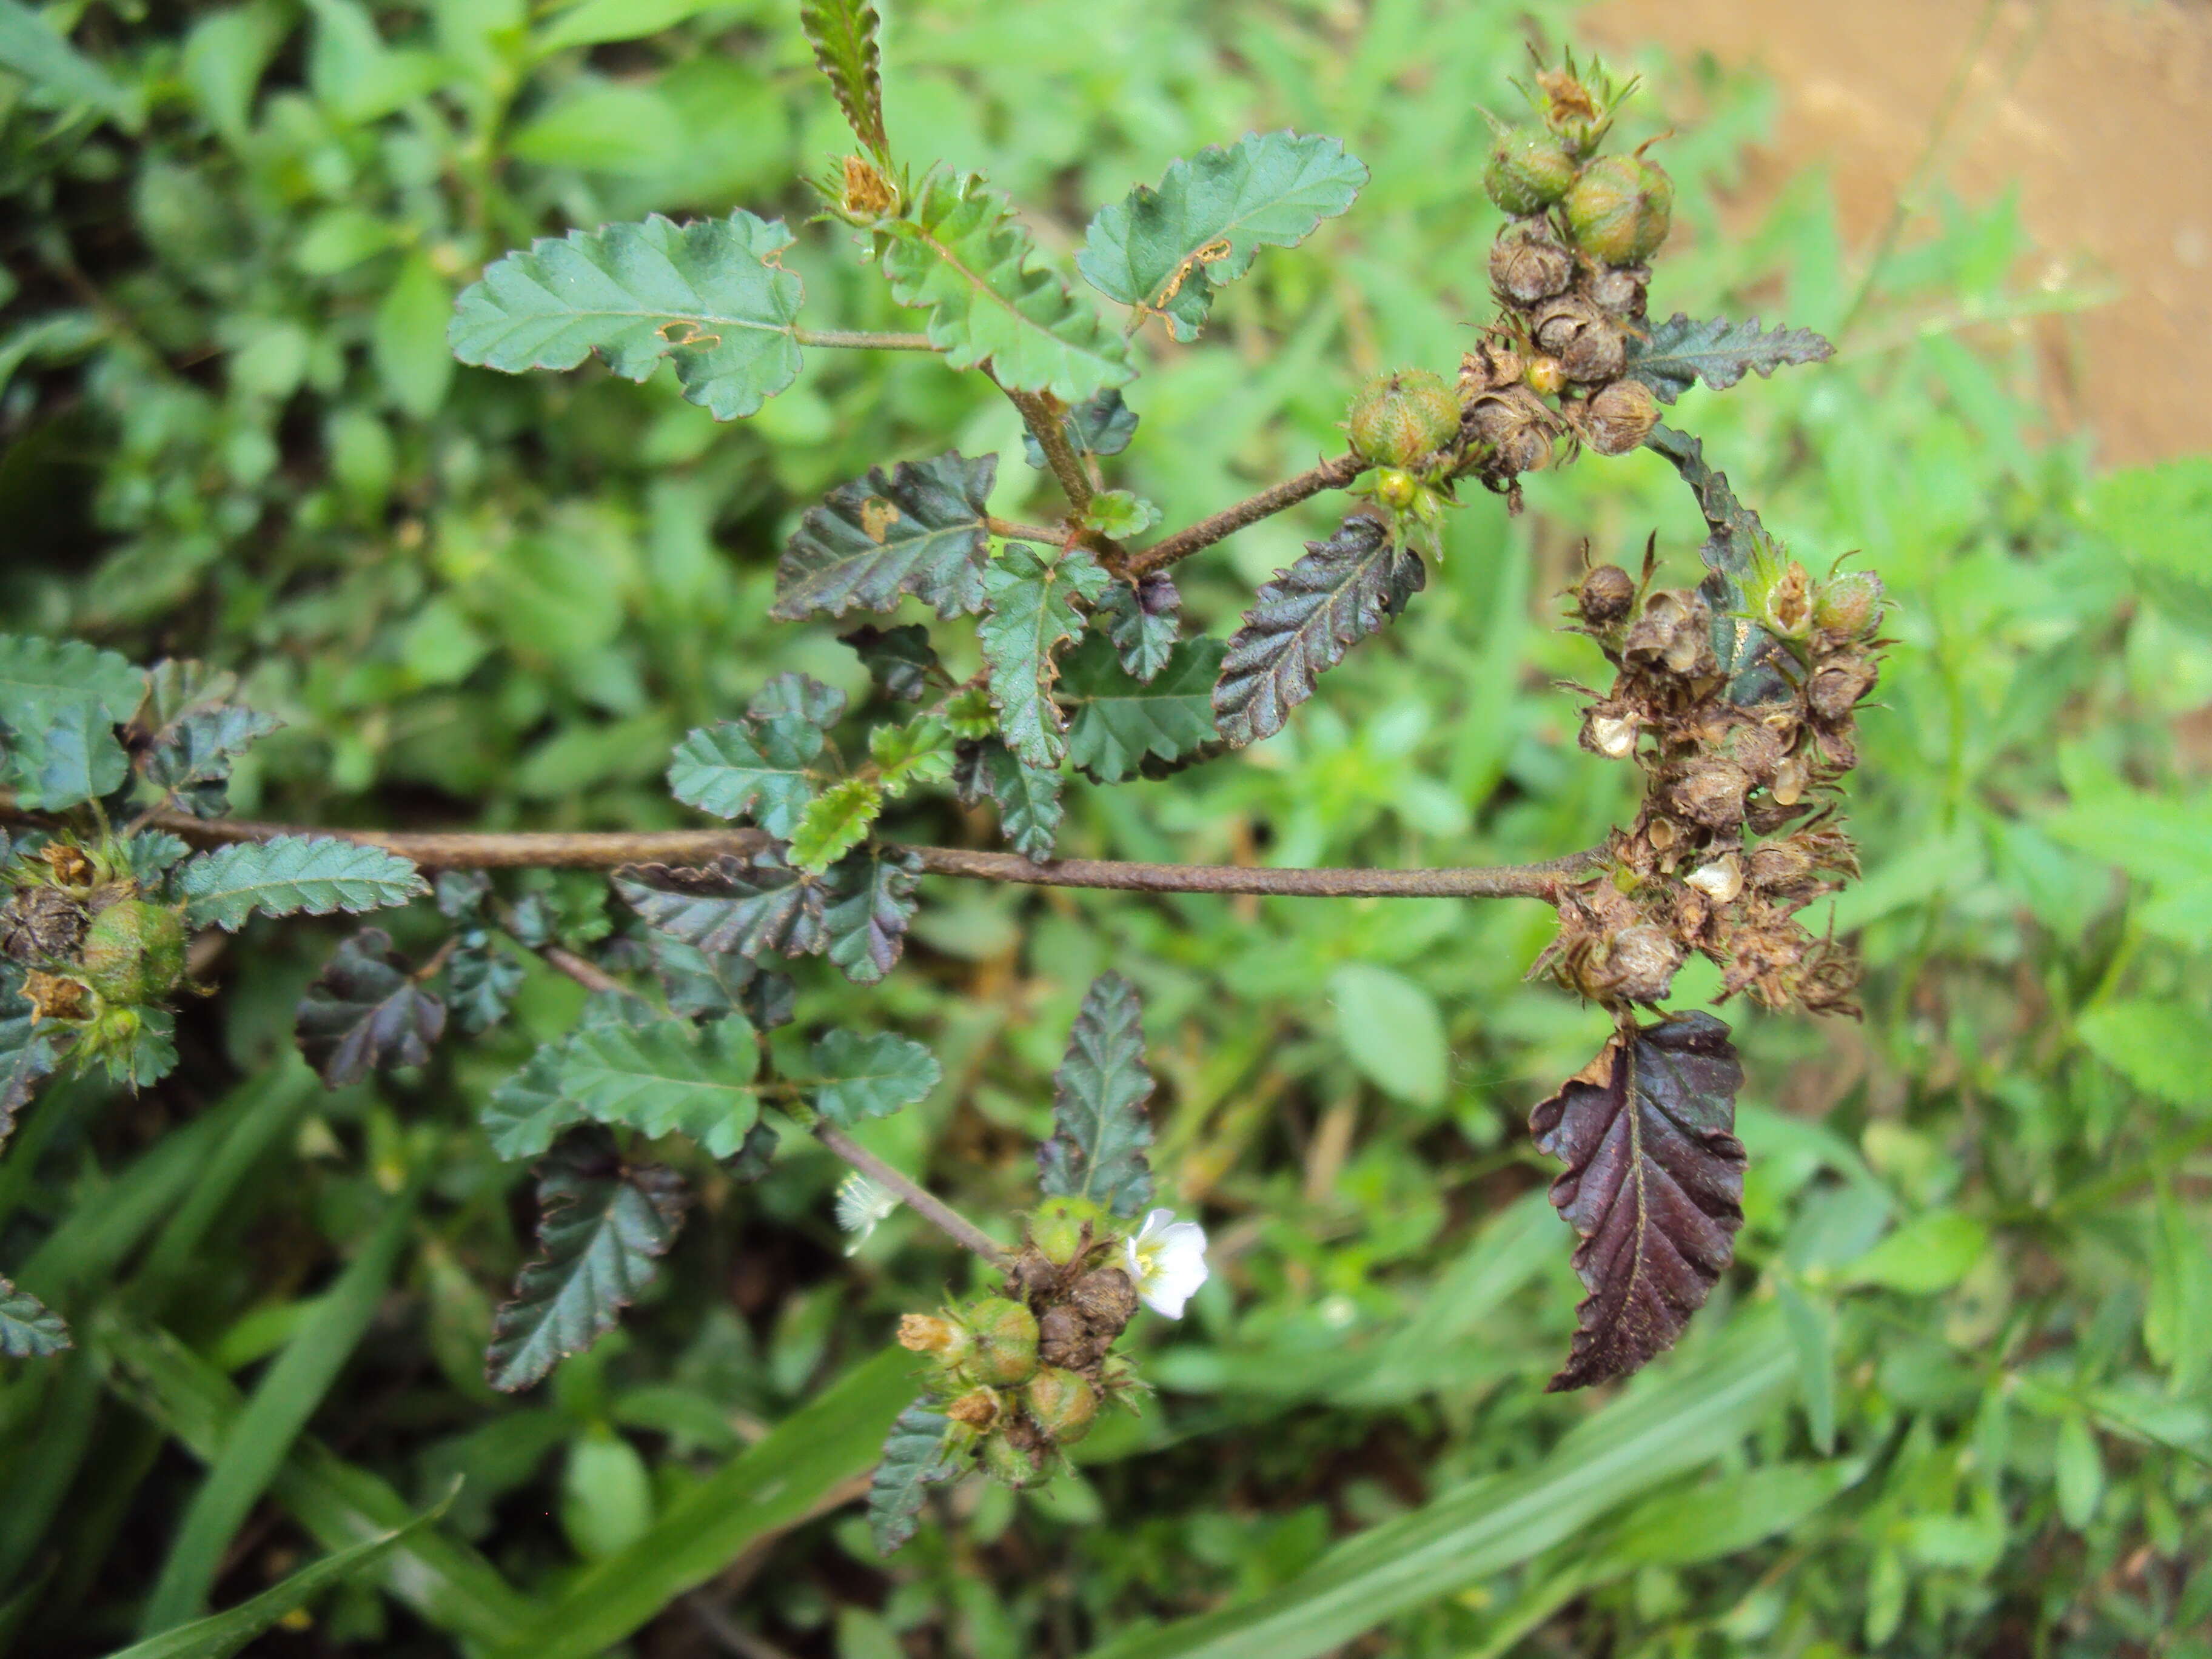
point(1836, 688)
point(1586, 343)
point(1618, 290)
point(1636, 964)
point(1529, 265)
point(52, 996)
point(39, 923)
point(1710, 792)
point(1064, 1339)
point(1105, 1297)
point(1516, 429)
point(1779, 866)
point(1675, 630)
point(1620, 415)
point(69, 866)
point(1605, 594)
point(1486, 369)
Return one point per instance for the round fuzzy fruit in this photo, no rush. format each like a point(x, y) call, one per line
point(1005, 1338)
point(1402, 417)
point(1529, 170)
point(1620, 208)
point(1060, 1403)
point(134, 952)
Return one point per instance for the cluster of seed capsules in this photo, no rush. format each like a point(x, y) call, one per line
point(96, 952)
point(1569, 271)
point(1022, 1374)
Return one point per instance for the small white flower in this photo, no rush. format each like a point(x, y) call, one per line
point(861, 1203)
point(1167, 1258)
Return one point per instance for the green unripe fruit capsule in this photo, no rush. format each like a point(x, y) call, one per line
point(1397, 490)
point(1018, 1466)
point(1402, 417)
point(1529, 170)
point(134, 952)
point(1061, 1403)
point(1063, 1227)
point(1005, 1334)
point(1851, 604)
point(1620, 208)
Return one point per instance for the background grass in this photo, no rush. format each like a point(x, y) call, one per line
point(1957, 1397)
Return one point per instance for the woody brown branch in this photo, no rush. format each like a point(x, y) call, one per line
point(1333, 474)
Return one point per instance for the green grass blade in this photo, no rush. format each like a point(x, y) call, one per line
point(286, 1396)
point(1627, 1449)
point(226, 1632)
point(831, 1440)
point(340, 1504)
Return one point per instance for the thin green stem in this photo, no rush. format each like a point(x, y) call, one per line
point(864, 339)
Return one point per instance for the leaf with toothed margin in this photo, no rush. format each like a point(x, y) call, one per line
point(28, 1328)
point(481, 980)
point(290, 874)
point(1678, 353)
point(191, 730)
point(670, 1076)
point(916, 1458)
point(858, 1077)
point(844, 35)
point(710, 296)
point(1100, 1129)
point(866, 917)
point(602, 1226)
point(958, 251)
point(756, 907)
point(367, 1013)
point(1027, 797)
point(900, 660)
point(1168, 250)
point(1100, 425)
point(834, 823)
point(27, 1052)
point(1143, 622)
point(1653, 1186)
point(1034, 611)
point(1115, 722)
point(1737, 549)
point(1302, 622)
point(920, 529)
point(768, 766)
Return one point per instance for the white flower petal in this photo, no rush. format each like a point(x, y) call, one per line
point(1167, 1259)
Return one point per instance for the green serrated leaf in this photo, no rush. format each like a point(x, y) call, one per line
point(189, 731)
point(481, 980)
point(867, 918)
point(918, 752)
point(528, 1111)
point(1302, 622)
point(28, 1328)
point(754, 907)
point(290, 874)
point(1168, 250)
point(835, 823)
point(1100, 1129)
point(1033, 611)
point(920, 529)
point(959, 251)
point(367, 1013)
point(39, 677)
point(915, 1457)
point(1115, 721)
point(1027, 797)
point(152, 854)
point(1678, 353)
point(796, 697)
point(27, 1053)
point(969, 713)
point(1100, 425)
point(1120, 513)
point(668, 1078)
point(844, 35)
point(600, 1229)
point(1143, 622)
point(901, 660)
point(857, 1076)
point(710, 296)
point(736, 769)
point(70, 758)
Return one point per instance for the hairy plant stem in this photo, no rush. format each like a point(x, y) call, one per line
point(864, 340)
point(497, 849)
point(923, 1202)
point(1041, 414)
point(1329, 475)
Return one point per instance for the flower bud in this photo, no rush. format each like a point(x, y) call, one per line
point(1578, 106)
point(1060, 1403)
point(1005, 1341)
point(1529, 170)
point(1620, 208)
point(1619, 418)
point(67, 863)
point(1528, 263)
point(1402, 417)
point(1396, 489)
point(1850, 605)
point(1064, 1228)
point(868, 194)
point(1605, 594)
point(948, 1340)
point(134, 952)
point(977, 1410)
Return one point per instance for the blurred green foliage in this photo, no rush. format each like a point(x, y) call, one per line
point(1957, 1396)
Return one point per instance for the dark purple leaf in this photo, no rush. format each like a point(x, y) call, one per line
point(365, 1013)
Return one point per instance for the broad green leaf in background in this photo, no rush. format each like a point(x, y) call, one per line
point(859, 1076)
point(1929, 1253)
point(1302, 622)
point(919, 529)
point(667, 1078)
point(60, 701)
point(291, 874)
point(2162, 1048)
point(1168, 250)
point(1720, 351)
point(844, 35)
point(30, 46)
point(959, 251)
point(601, 1227)
point(601, 126)
point(914, 1459)
point(2160, 517)
point(1100, 1128)
point(408, 341)
point(706, 295)
point(230, 1631)
point(1392, 1032)
point(1034, 610)
point(1117, 722)
point(597, 22)
point(191, 730)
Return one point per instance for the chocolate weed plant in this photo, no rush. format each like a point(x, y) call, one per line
point(1735, 700)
